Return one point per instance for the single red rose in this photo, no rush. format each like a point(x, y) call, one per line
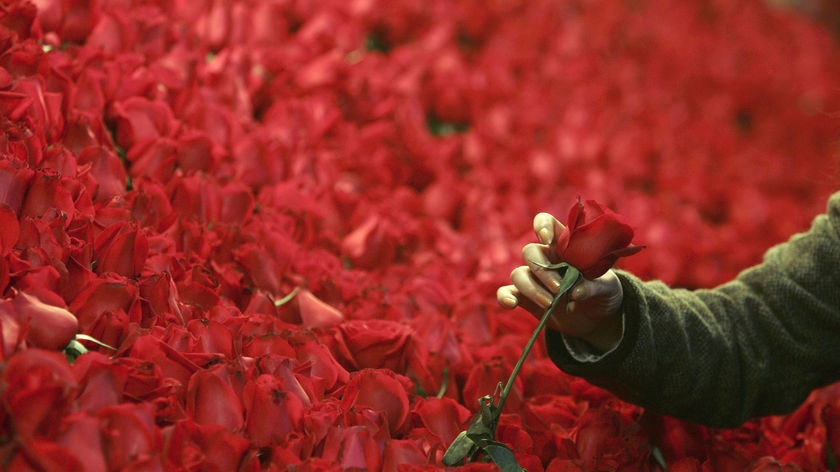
point(271, 411)
point(172, 363)
point(150, 205)
point(263, 266)
point(255, 162)
point(540, 376)
point(9, 229)
point(49, 195)
point(546, 411)
point(321, 418)
point(44, 240)
point(443, 417)
point(140, 119)
point(210, 337)
point(37, 389)
point(101, 381)
point(605, 440)
point(14, 182)
point(45, 112)
point(81, 435)
point(190, 446)
point(400, 454)
point(130, 437)
point(511, 431)
point(84, 129)
point(196, 152)
point(483, 379)
point(212, 401)
point(594, 238)
point(674, 438)
point(375, 344)
point(107, 171)
point(771, 464)
point(113, 328)
point(685, 464)
point(438, 334)
point(237, 203)
point(121, 248)
point(15, 105)
point(44, 455)
point(48, 325)
point(372, 244)
point(380, 390)
point(353, 448)
point(283, 368)
point(110, 292)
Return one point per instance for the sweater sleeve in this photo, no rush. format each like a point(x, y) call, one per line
point(755, 346)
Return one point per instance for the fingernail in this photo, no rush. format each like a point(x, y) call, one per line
point(578, 293)
point(544, 235)
point(509, 301)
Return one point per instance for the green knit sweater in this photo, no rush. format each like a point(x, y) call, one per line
point(755, 346)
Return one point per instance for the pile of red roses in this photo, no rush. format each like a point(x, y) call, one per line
point(288, 220)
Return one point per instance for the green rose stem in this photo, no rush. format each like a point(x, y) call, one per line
point(480, 435)
point(570, 277)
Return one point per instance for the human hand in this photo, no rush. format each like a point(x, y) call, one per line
point(592, 311)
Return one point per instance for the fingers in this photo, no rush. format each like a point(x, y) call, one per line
point(537, 257)
point(530, 287)
point(546, 227)
point(510, 297)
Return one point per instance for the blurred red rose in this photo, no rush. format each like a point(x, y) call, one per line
point(37, 390)
point(374, 243)
point(379, 390)
point(130, 437)
point(443, 417)
point(594, 238)
point(318, 363)
point(43, 455)
point(81, 435)
point(545, 412)
point(483, 379)
point(49, 195)
point(101, 380)
point(353, 448)
point(271, 411)
point(9, 229)
point(211, 400)
point(110, 292)
point(14, 182)
point(140, 119)
point(375, 344)
point(400, 454)
point(171, 363)
point(121, 248)
point(191, 446)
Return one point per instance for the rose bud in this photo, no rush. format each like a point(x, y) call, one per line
point(594, 238)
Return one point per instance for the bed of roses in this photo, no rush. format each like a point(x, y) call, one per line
point(279, 226)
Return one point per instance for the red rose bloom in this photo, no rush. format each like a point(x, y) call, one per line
point(594, 239)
